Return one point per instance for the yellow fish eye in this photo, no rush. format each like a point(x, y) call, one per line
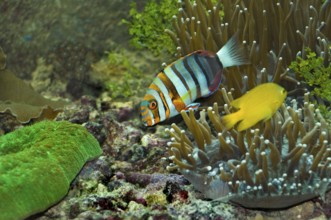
point(152, 104)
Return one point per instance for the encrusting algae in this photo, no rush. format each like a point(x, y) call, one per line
point(276, 164)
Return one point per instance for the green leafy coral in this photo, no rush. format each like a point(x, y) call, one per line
point(38, 163)
point(314, 73)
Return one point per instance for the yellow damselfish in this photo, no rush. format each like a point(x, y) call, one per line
point(258, 104)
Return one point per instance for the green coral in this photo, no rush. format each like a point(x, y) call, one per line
point(316, 74)
point(147, 27)
point(38, 163)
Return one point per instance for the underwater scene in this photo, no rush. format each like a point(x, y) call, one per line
point(165, 109)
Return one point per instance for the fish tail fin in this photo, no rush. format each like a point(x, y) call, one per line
point(230, 120)
point(232, 53)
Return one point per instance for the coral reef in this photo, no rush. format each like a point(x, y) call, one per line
point(60, 41)
point(279, 163)
point(133, 167)
point(37, 164)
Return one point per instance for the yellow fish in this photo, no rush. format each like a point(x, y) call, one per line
point(258, 104)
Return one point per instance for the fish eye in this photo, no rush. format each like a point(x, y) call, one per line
point(152, 104)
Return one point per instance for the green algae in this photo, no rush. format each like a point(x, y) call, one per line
point(38, 163)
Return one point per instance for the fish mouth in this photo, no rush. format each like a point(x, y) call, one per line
point(145, 117)
point(144, 121)
point(148, 122)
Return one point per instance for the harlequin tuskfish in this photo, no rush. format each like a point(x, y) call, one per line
point(193, 76)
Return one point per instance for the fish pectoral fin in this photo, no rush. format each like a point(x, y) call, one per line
point(193, 106)
point(236, 103)
point(269, 113)
point(179, 105)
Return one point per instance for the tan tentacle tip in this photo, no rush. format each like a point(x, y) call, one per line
point(171, 157)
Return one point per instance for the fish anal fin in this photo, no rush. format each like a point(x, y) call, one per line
point(245, 124)
point(230, 120)
point(193, 106)
point(250, 122)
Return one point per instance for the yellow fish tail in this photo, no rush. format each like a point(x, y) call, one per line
point(230, 120)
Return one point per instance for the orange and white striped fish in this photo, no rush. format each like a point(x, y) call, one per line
point(193, 76)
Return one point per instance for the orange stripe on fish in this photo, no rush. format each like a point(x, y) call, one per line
point(172, 92)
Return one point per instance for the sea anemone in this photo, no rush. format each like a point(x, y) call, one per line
point(277, 163)
point(274, 33)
